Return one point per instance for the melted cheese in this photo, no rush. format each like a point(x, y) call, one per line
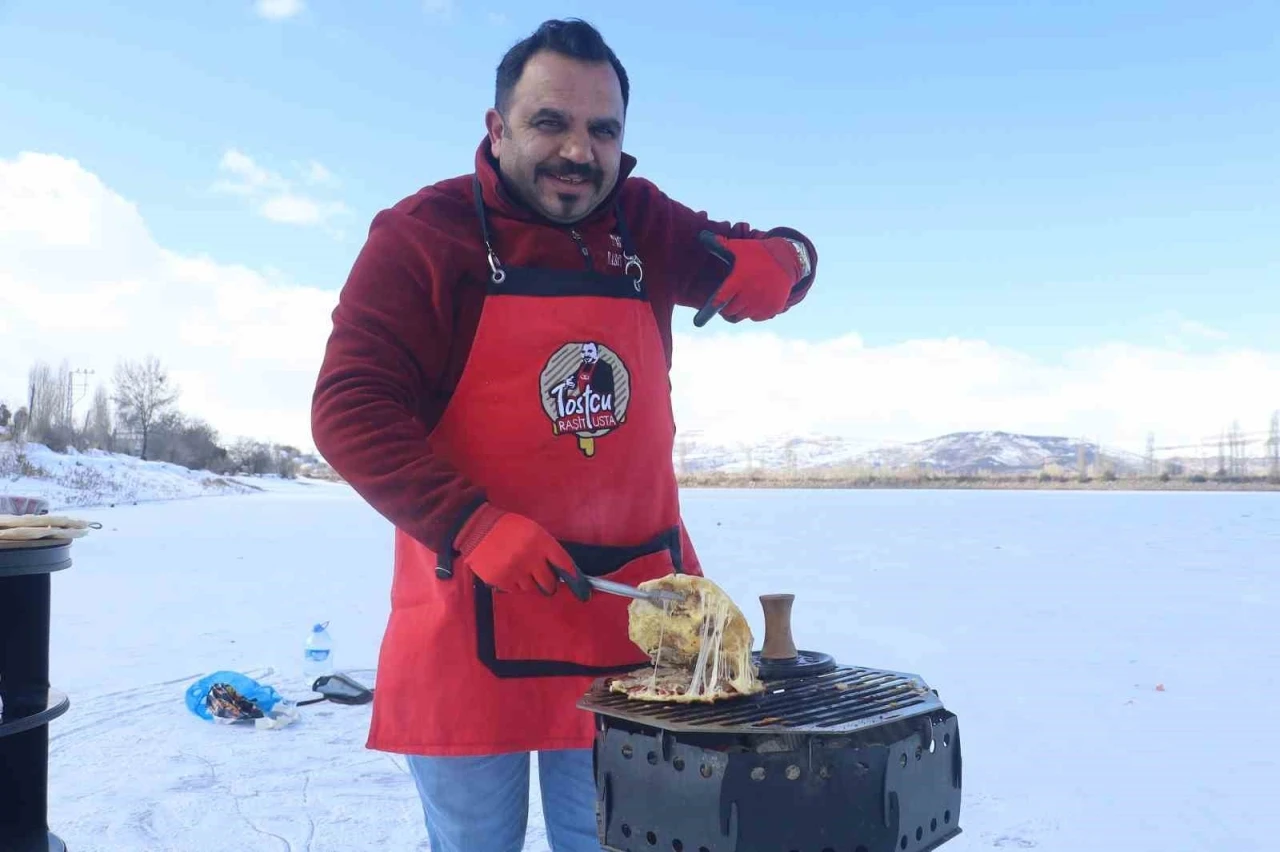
point(657, 657)
point(700, 648)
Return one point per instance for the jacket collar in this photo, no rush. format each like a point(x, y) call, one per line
point(499, 199)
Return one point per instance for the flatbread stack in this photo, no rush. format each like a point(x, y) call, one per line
point(20, 528)
point(700, 647)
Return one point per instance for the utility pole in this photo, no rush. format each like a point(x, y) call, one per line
point(84, 383)
point(1273, 446)
point(1151, 454)
point(1237, 449)
point(72, 396)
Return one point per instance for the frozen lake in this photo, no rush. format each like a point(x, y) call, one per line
point(1096, 647)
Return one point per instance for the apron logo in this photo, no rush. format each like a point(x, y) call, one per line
point(585, 392)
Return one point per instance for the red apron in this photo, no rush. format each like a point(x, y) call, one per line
point(563, 414)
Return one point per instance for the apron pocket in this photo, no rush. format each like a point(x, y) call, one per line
point(530, 635)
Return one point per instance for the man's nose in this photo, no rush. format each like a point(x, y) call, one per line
point(577, 147)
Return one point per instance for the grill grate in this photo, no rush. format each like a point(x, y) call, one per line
point(847, 699)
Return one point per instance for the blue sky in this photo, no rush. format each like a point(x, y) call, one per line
point(1043, 177)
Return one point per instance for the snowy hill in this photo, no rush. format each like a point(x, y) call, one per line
point(968, 452)
point(98, 478)
point(697, 452)
point(958, 452)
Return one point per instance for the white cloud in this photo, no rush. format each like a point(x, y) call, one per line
point(273, 195)
point(498, 19)
point(316, 173)
point(290, 209)
point(277, 10)
point(754, 384)
point(1181, 329)
point(252, 178)
point(82, 278)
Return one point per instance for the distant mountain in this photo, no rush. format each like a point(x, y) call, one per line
point(958, 452)
point(697, 452)
point(971, 452)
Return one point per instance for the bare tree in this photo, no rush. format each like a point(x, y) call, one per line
point(187, 441)
point(143, 393)
point(21, 419)
point(97, 422)
point(49, 417)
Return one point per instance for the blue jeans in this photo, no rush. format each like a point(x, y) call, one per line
point(481, 804)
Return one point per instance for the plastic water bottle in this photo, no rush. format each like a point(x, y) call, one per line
point(317, 654)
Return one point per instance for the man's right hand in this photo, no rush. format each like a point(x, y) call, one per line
point(512, 553)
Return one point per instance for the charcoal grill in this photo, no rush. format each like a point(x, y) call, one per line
point(829, 758)
point(27, 702)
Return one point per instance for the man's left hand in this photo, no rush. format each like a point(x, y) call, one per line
point(760, 281)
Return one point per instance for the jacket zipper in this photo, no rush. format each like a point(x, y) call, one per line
point(582, 247)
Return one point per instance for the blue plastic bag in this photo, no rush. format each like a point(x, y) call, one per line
point(263, 697)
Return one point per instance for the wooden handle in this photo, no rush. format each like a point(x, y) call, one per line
point(778, 644)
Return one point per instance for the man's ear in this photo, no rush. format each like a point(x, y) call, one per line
point(496, 125)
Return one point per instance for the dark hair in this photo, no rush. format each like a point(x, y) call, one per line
point(573, 38)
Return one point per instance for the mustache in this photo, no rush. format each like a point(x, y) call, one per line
point(582, 170)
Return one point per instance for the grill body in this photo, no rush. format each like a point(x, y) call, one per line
point(852, 760)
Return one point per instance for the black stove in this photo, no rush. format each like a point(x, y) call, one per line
point(829, 758)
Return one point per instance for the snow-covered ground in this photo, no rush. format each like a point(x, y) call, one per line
point(99, 478)
point(1099, 649)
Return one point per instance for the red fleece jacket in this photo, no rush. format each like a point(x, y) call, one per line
point(407, 313)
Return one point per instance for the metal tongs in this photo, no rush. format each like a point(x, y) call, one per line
point(654, 596)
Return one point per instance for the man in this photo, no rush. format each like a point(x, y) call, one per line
point(470, 303)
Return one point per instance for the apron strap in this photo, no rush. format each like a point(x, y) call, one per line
point(628, 247)
point(497, 274)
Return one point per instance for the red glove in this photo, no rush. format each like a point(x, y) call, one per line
point(762, 274)
point(512, 553)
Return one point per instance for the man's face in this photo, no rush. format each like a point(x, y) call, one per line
point(560, 145)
